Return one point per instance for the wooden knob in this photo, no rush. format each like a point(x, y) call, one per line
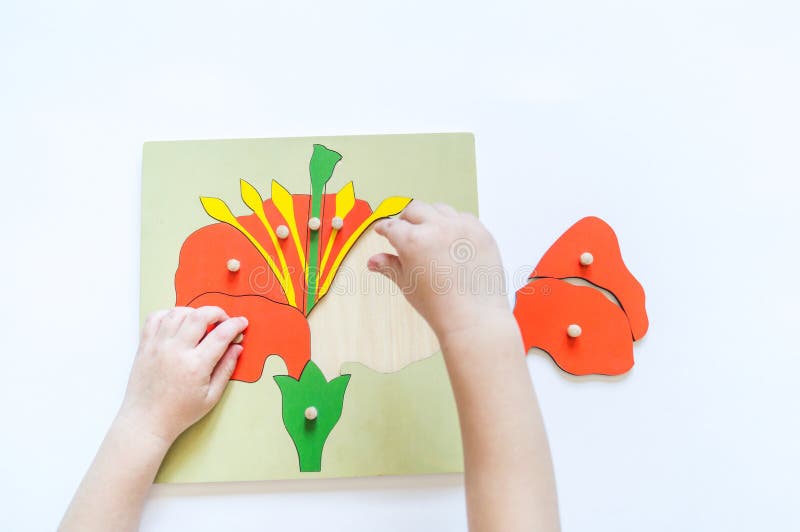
point(574, 330)
point(233, 265)
point(337, 222)
point(239, 338)
point(311, 413)
point(586, 258)
point(282, 231)
point(314, 223)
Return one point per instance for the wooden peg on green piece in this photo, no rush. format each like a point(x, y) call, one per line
point(314, 397)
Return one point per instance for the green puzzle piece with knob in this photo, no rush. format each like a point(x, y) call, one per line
point(312, 406)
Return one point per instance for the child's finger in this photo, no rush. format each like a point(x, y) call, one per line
point(171, 322)
point(213, 346)
point(387, 264)
point(417, 212)
point(196, 324)
point(396, 232)
point(151, 325)
point(222, 372)
point(445, 209)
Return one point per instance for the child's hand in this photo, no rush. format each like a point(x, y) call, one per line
point(449, 268)
point(180, 372)
point(447, 265)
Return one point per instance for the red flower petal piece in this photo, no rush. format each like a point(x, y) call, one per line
point(545, 308)
point(607, 269)
point(202, 266)
point(274, 329)
point(301, 204)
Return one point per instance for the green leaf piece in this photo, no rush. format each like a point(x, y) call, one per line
point(312, 389)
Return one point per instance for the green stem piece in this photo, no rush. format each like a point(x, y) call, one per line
point(323, 161)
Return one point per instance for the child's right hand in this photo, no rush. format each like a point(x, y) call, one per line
point(447, 265)
point(180, 371)
point(449, 269)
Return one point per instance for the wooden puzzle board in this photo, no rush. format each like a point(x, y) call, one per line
point(398, 416)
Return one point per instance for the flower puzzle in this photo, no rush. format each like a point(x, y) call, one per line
point(338, 375)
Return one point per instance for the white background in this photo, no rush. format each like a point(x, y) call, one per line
point(675, 121)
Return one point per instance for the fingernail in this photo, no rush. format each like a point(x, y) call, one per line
point(246, 323)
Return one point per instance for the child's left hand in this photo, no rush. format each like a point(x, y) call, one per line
point(180, 372)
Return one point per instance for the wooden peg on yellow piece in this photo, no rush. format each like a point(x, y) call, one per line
point(337, 222)
point(574, 330)
point(311, 413)
point(233, 265)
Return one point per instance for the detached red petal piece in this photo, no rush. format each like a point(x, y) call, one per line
point(274, 329)
point(548, 310)
point(593, 240)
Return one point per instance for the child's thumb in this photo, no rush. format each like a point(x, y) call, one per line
point(387, 264)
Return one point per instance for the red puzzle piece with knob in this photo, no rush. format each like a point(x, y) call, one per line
point(579, 327)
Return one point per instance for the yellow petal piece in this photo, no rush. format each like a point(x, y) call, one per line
point(391, 206)
point(388, 207)
point(345, 200)
point(251, 197)
point(285, 205)
point(217, 209)
point(253, 200)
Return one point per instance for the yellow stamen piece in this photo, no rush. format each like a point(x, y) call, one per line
point(285, 205)
point(217, 209)
point(253, 200)
point(345, 200)
point(388, 207)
